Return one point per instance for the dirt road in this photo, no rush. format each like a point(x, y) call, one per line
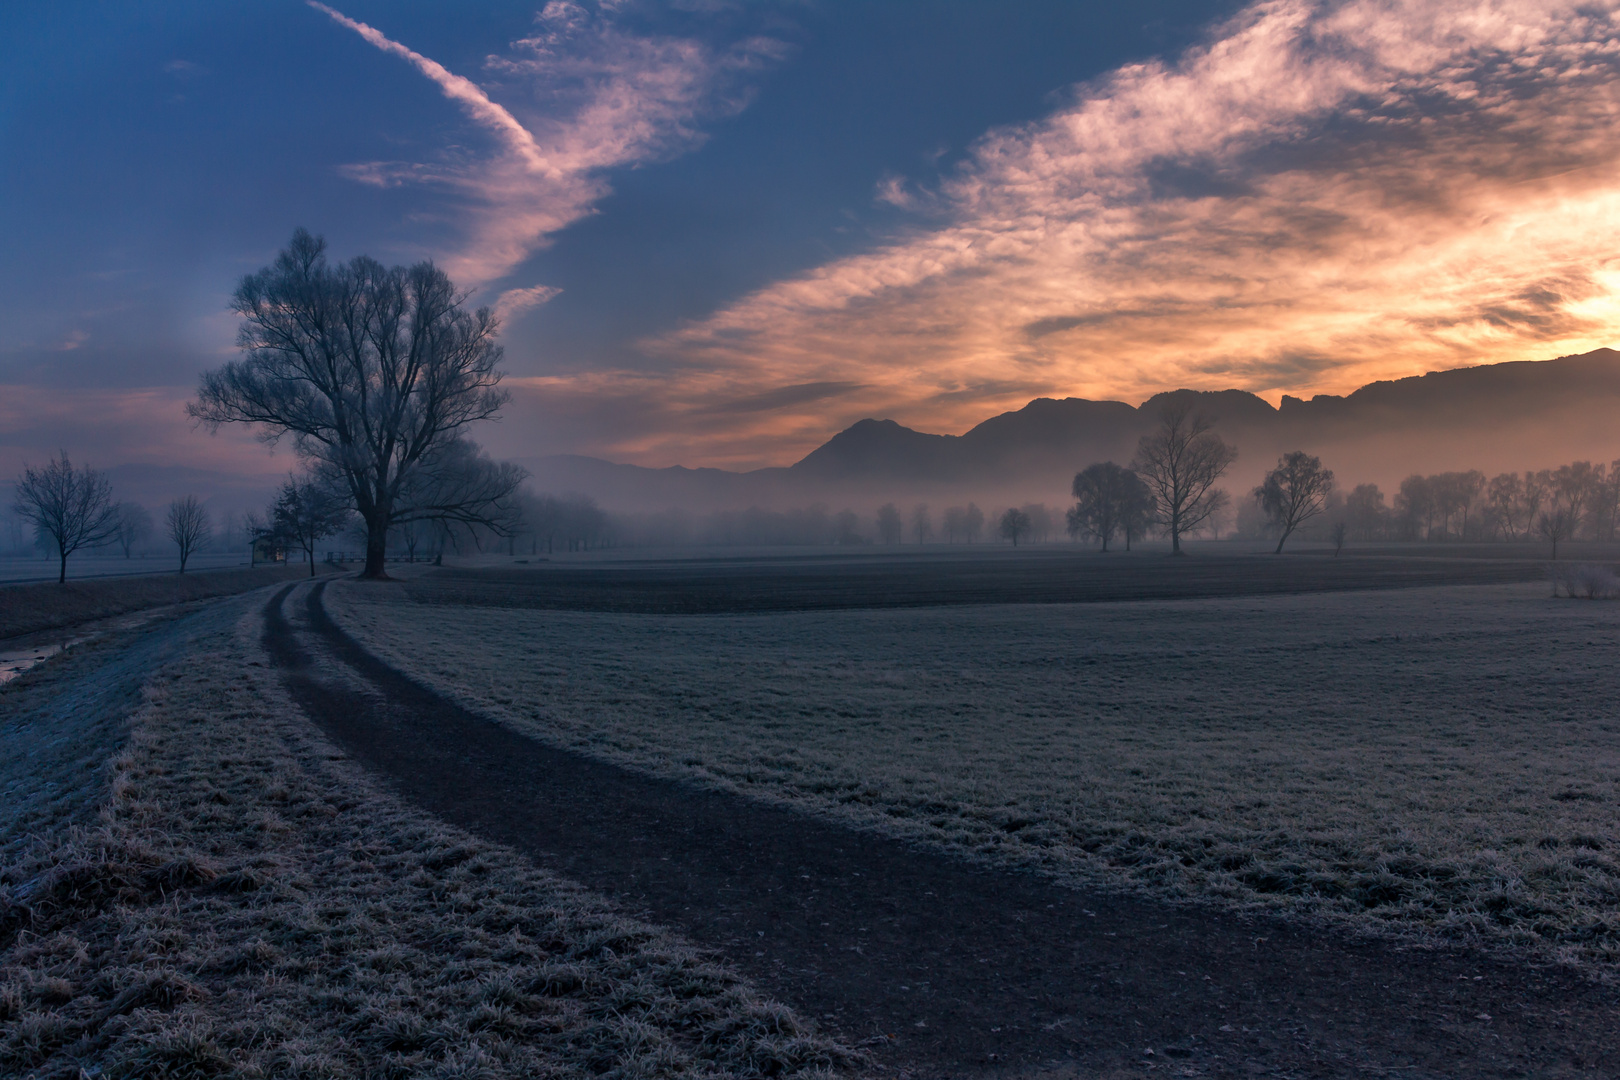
point(940, 968)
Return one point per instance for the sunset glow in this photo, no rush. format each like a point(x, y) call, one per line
point(1301, 198)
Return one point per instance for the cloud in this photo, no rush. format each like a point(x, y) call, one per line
point(514, 302)
point(1319, 195)
point(596, 98)
point(891, 190)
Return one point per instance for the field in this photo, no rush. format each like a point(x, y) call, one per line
point(1434, 762)
point(193, 883)
point(37, 607)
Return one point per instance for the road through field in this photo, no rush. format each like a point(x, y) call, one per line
point(941, 968)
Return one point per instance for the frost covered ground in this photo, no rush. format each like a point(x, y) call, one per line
point(1436, 761)
point(194, 883)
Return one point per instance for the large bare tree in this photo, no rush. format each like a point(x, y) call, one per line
point(1294, 492)
point(72, 506)
point(1180, 463)
point(188, 527)
point(372, 370)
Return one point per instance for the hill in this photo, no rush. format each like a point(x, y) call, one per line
point(1496, 418)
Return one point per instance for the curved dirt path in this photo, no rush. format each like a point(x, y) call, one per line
point(943, 969)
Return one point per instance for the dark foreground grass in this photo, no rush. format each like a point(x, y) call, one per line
point(249, 905)
point(35, 607)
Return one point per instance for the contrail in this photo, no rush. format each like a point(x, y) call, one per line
point(463, 91)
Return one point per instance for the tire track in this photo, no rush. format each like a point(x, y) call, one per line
point(941, 968)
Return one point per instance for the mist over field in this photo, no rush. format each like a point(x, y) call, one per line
point(642, 539)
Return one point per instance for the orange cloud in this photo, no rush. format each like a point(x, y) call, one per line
point(1321, 195)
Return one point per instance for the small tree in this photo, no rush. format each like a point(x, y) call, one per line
point(307, 511)
point(1337, 535)
point(1101, 493)
point(1366, 513)
point(1556, 525)
point(888, 523)
point(973, 522)
point(134, 524)
point(955, 523)
point(71, 506)
point(1014, 524)
point(1040, 521)
point(1180, 463)
point(922, 523)
point(188, 527)
point(1294, 492)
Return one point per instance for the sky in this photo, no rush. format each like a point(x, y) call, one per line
point(718, 233)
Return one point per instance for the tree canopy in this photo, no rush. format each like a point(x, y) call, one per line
point(373, 371)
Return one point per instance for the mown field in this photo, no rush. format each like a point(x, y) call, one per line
point(1440, 762)
point(193, 883)
point(929, 577)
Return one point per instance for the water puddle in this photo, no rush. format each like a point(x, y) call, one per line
point(13, 664)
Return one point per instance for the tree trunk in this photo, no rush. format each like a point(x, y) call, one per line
point(61, 577)
point(376, 548)
point(1283, 539)
point(1175, 540)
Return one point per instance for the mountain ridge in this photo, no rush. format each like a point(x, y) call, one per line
point(1494, 417)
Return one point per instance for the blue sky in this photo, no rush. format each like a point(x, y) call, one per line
point(721, 232)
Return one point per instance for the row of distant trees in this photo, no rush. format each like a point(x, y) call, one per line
point(1578, 501)
point(71, 508)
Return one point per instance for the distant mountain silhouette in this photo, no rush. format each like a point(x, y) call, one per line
point(1498, 417)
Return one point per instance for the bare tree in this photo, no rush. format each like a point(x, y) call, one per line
point(955, 523)
point(1104, 493)
point(1014, 524)
point(1573, 486)
point(888, 523)
point(371, 370)
point(1336, 536)
point(1294, 492)
point(188, 527)
point(1365, 512)
point(307, 511)
point(1504, 497)
point(134, 524)
point(1136, 516)
point(922, 523)
point(1180, 463)
point(972, 522)
point(73, 507)
point(1556, 525)
point(1040, 521)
